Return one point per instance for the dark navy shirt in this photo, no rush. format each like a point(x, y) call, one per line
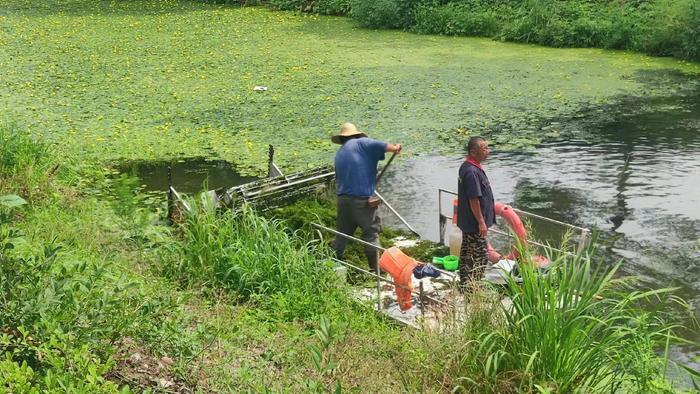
point(356, 166)
point(473, 183)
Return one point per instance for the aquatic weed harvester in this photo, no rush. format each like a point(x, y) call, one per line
point(412, 292)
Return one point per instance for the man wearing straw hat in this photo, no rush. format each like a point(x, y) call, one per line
point(355, 172)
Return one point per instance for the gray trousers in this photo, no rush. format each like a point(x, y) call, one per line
point(353, 212)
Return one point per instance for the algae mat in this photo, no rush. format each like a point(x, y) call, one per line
point(155, 80)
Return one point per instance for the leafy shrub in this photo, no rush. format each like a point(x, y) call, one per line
point(456, 19)
point(397, 14)
point(288, 4)
point(332, 7)
point(661, 27)
point(672, 27)
point(50, 304)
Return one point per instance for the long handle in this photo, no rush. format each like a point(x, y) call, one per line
point(396, 214)
point(376, 181)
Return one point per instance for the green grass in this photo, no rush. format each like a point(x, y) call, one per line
point(162, 79)
point(257, 260)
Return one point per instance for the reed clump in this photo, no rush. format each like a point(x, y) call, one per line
point(258, 260)
point(575, 329)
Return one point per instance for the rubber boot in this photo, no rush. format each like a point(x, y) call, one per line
point(373, 260)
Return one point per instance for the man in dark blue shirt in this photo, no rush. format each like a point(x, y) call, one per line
point(355, 172)
point(475, 212)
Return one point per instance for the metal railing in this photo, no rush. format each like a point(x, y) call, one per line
point(379, 278)
point(584, 233)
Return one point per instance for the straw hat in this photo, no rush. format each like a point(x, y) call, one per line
point(347, 130)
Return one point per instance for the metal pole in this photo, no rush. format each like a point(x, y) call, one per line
point(170, 195)
point(377, 273)
point(350, 237)
point(583, 241)
point(454, 300)
point(441, 219)
point(270, 159)
point(379, 287)
point(422, 305)
point(379, 248)
point(396, 214)
point(534, 215)
point(376, 181)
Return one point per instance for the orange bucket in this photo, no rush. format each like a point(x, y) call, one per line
point(400, 267)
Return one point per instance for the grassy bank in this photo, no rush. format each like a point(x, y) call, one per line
point(659, 27)
point(100, 297)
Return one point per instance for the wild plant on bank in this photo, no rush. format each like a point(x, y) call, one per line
point(575, 330)
point(23, 163)
point(256, 259)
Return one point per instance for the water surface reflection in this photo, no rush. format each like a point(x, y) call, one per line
point(638, 182)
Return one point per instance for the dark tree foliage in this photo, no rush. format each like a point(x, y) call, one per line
point(657, 27)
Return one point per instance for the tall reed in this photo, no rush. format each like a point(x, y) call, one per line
point(256, 259)
point(578, 329)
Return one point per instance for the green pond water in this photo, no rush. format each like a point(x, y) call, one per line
point(163, 79)
point(603, 139)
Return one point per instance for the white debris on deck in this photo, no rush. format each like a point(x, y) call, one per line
point(441, 298)
point(403, 242)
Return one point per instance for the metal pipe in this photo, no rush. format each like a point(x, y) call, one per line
point(179, 198)
point(379, 286)
point(546, 219)
point(381, 173)
point(534, 243)
point(534, 215)
point(441, 226)
point(396, 214)
point(583, 241)
point(422, 306)
point(529, 241)
point(263, 190)
point(350, 237)
point(170, 195)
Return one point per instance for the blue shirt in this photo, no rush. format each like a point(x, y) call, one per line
point(473, 183)
point(356, 166)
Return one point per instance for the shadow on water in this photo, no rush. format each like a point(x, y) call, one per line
point(188, 175)
point(636, 180)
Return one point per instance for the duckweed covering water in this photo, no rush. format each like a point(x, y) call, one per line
point(154, 80)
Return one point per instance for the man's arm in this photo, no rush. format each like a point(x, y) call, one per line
point(393, 148)
point(475, 207)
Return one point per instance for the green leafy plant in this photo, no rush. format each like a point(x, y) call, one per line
point(255, 258)
point(12, 201)
point(324, 366)
point(578, 328)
